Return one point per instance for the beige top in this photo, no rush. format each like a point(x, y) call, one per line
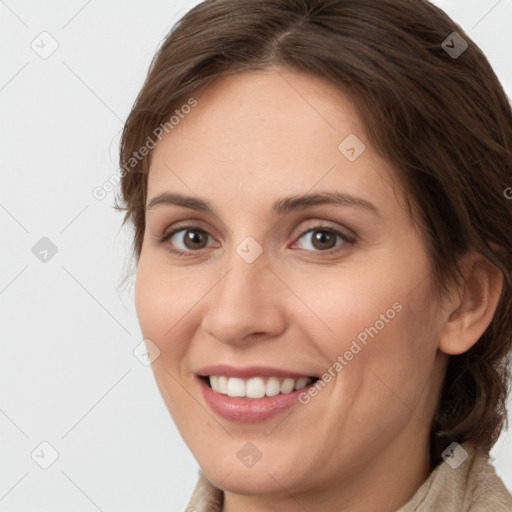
point(472, 486)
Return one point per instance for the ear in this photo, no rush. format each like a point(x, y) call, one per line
point(471, 306)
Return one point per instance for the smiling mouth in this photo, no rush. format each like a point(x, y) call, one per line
point(256, 387)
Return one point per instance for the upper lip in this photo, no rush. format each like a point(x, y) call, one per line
point(247, 372)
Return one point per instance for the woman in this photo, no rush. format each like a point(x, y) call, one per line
point(317, 189)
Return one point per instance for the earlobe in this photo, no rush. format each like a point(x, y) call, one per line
point(472, 306)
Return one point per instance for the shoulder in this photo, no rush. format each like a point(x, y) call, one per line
point(466, 483)
point(486, 490)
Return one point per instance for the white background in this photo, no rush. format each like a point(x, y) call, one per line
point(68, 329)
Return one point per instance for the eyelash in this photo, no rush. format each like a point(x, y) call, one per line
point(346, 239)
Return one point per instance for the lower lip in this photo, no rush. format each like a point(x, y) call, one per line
point(243, 410)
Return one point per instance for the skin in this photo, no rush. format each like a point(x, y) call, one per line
point(362, 443)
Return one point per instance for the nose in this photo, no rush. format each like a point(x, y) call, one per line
point(247, 303)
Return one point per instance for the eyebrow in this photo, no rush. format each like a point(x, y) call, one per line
point(279, 208)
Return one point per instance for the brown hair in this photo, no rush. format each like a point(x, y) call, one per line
point(444, 123)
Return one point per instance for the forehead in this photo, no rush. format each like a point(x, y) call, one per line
point(252, 108)
point(260, 134)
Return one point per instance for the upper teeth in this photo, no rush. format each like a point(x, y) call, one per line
point(256, 387)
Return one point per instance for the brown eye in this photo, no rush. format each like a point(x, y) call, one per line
point(195, 239)
point(187, 239)
point(323, 239)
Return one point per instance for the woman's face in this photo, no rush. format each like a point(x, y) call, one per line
point(274, 286)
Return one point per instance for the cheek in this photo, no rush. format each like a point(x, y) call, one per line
point(164, 304)
point(380, 361)
point(341, 305)
point(148, 303)
point(164, 309)
point(373, 319)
